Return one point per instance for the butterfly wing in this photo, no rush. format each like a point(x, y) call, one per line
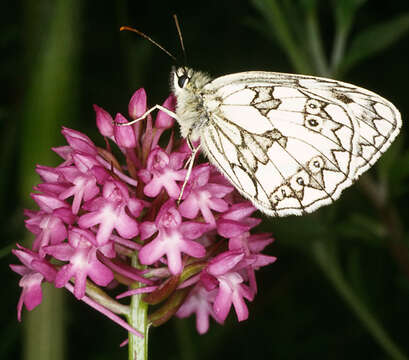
point(292, 143)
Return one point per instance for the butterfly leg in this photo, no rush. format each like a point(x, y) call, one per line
point(189, 164)
point(156, 107)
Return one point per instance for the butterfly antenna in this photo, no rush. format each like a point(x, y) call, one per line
point(140, 33)
point(180, 37)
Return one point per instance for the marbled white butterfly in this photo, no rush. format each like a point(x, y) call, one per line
point(288, 143)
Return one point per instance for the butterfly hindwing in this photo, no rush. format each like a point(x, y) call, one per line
point(292, 143)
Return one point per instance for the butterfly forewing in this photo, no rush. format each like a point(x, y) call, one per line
point(292, 143)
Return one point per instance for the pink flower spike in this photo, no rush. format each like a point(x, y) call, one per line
point(137, 104)
point(163, 120)
point(102, 206)
point(124, 135)
point(104, 122)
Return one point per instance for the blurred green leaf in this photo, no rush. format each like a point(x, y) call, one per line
point(308, 5)
point(5, 251)
point(393, 168)
point(390, 159)
point(374, 40)
point(325, 255)
point(278, 25)
point(345, 11)
point(362, 227)
point(355, 273)
point(315, 46)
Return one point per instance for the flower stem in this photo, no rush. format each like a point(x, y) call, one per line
point(138, 319)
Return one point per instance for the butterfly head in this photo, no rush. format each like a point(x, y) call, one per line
point(186, 80)
point(188, 87)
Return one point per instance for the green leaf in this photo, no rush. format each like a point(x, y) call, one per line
point(393, 168)
point(375, 39)
point(5, 251)
point(308, 5)
point(345, 11)
point(362, 227)
point(278, 24)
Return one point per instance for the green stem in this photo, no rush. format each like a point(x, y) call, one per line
point(330, 267)
point(138, 319)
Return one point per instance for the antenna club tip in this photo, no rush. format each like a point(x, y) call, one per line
point(128, 28)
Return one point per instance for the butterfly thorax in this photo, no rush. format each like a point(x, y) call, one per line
point(187, 85)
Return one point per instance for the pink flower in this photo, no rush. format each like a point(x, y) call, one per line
point(173, 239)
point(33, 271)
point(103, 206)
point(137, 104)
point(163, 171)
point(231, 287)
point(104, 121)
point(50, 223)
point(109, 212)
point(81, 252)
point(199, 302)
point(83, 179)
point(204, 196)
point(124, 135)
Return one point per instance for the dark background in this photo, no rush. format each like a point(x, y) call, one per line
point(340, 288)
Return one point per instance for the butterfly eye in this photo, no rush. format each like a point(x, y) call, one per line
point(182, 80)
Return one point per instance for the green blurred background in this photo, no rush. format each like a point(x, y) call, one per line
point(340, 288)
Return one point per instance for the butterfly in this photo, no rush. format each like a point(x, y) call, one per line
point(289, 143)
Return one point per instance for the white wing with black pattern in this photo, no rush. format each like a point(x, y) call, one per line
point(289, 143)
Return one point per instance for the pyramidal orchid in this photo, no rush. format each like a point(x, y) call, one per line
point(112, 212)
